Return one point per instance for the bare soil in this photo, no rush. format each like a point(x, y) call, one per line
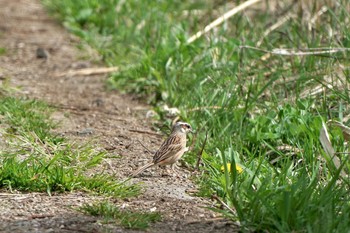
point(37, 49)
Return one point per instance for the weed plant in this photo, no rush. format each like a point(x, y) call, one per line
point(32, 158)
point(110, 213)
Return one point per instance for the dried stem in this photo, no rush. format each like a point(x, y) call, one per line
point(304, 52)
point(149, 151)
point(279, 23)
point(201, 152)
point(88, 71)
point(223, 203)
point(221, 19)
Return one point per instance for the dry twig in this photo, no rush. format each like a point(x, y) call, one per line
point(302, 52)
point(201, 152)
point(221, 19)
point(149, 151)
point(88, 71)
point(223, 204)
point(316, 16)
point(279, 23)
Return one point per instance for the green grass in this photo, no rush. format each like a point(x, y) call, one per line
point(128, 219)
point(34, 159)
point(2, 51)
point(24, 116)
point(261, 112)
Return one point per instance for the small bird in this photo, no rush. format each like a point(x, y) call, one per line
point(172, 148)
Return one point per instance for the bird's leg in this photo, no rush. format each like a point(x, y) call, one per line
point(175, 169)
point(165, 171)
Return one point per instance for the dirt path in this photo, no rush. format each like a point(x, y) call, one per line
point(87, 111)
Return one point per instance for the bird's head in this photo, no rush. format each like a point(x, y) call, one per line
point(182, 127)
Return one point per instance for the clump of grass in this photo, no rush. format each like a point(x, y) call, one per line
point(107, 185)
point(24, 116)
point(34, 159)
point(128, 219)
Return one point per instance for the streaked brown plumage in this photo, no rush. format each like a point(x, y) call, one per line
point(172, 148)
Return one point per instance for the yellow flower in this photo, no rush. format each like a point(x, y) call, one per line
point(239, 169)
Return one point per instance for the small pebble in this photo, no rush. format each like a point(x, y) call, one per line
point(86, 131)
point(42, 53)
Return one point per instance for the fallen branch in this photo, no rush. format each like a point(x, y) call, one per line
point(221, 19)
point(88, 71)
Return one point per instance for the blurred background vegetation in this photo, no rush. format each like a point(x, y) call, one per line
point(262, 111)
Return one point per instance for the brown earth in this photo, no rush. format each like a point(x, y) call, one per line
point(88, 114)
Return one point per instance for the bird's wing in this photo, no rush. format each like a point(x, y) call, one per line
point(170, 147)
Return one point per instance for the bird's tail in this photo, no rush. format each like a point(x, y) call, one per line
point(141, 169)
